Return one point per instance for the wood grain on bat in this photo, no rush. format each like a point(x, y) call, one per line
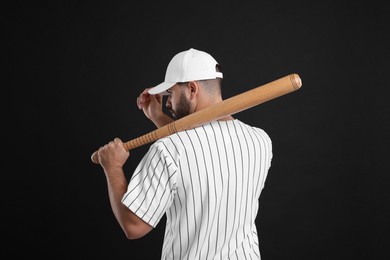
point(219, 110)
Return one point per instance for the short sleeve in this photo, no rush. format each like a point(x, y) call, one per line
point(152, 186)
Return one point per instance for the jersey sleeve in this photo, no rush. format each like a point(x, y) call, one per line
point(267, 154)
point(152, 186)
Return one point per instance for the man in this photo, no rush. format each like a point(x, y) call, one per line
point(206, 180)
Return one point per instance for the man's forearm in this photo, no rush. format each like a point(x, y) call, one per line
point(163, 120)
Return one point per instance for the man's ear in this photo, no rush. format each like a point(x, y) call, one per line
point(194, 89)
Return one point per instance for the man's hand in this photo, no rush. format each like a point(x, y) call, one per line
point(152, 108)
point(150, 104)
point(113, 156)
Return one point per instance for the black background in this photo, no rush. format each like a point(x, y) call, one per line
point(72, 75)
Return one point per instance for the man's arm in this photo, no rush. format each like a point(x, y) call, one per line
point(112, 156)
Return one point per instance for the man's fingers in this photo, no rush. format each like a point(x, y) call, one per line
point(146, 91)
point(143, 98)
point(158, 98)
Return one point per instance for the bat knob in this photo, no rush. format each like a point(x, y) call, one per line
point(94, 157)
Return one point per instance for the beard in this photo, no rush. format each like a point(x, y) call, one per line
point(183, 108)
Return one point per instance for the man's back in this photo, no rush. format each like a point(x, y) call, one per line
point(210, 179)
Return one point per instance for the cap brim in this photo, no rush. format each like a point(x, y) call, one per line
point(161, 88)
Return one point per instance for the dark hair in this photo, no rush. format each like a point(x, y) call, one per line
point(212, 86)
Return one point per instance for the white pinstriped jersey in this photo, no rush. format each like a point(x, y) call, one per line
point(207, 181)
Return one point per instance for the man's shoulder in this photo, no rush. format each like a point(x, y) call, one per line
point(257, 129)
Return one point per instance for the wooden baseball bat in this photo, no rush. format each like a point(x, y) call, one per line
point(224, 108)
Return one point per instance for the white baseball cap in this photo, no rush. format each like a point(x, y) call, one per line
point(189, 65)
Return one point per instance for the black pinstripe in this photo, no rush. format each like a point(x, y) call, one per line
point(207, 181)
